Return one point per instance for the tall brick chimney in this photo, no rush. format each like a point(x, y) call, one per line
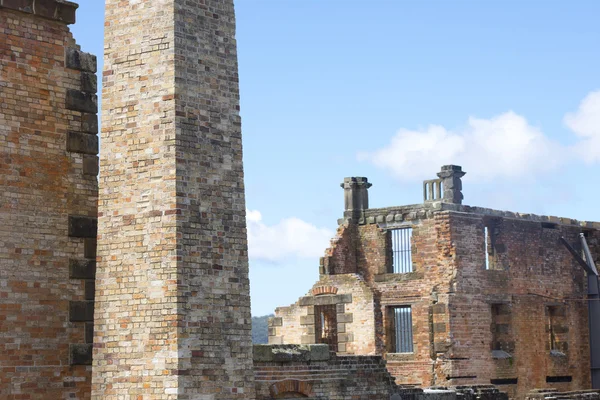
point(172, 292)
point(356, 196)
point(451, 183)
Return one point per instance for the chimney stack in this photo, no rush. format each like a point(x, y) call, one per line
point(451, 183)
point(356, 196)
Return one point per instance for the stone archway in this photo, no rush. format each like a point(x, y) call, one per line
point(291, 389)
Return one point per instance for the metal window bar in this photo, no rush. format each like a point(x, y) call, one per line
point(401, 251)
point(404, 339)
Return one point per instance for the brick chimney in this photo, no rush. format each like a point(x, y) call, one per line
point(356, 196)
point(451, 183)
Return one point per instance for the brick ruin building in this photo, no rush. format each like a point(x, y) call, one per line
point(168, 316)
point(451, 294)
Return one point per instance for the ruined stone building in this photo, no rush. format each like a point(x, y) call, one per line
point(450, 294)
point(135, 286)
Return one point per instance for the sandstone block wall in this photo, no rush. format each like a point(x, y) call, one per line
point(48, 175)
point(172, 301)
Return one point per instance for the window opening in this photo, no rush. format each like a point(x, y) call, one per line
point(403, 333)
point(486, 235)
point(401, 250)
point(326, 326)
point(557, 329)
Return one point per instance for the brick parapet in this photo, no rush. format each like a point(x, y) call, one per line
point(392, 215)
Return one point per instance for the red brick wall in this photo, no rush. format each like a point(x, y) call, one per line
point(534, 271)
point(426, 290)
point(48, 173)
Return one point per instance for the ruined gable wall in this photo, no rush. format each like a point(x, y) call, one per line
point(355, 313)
point(48, 169)
point(531, 270)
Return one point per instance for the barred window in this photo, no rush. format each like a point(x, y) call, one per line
point(402, 332)
point(401, 251)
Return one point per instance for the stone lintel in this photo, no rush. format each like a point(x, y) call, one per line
point(58, 10)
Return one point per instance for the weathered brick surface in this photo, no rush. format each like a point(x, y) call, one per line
point(172, 292)
point(42, 185)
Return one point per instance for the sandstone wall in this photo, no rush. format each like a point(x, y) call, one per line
point(48, 175)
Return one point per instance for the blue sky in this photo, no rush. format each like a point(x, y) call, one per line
point(392, 90)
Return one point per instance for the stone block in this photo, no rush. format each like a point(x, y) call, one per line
point(345, 318)
point(65, 12)
point(307, 339)
point(307, 320)
point(89, 332)
point(439, 308)
point(81, 354)
point(83, 227)
point(439, 327)
point(77, 59)
point(319, 352)
point(89, 248)
point(82, 269)
point(89, 82)
point(341, 347)
point(341, 328)
point(275, 339)
point(306, 301)
point(78, 142)
point(262, 353)
point(90, 289)
point(345, 337)
point(340, 308)
point(275, 321)
point(89, 123)
point(81, 311)
point(310, 310)
point(91, 165)
point(345, 298)
point(324, 300)
point(78, 100)
point(290, 352)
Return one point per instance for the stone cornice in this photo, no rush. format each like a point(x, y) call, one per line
point(58, 10)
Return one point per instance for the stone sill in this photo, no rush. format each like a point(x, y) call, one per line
point(57, 10)
point(399, 357)
point(390, 277)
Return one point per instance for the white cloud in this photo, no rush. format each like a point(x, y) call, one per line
point(585, 122)
point(290, 237)
point(503, 146)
